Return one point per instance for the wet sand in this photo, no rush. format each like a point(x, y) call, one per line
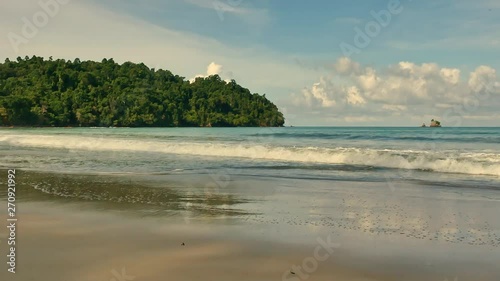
point(58, 243)
point(257, 237)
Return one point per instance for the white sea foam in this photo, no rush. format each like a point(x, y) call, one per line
point(439, 161)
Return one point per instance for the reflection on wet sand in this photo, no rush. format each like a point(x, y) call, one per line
point(134, 195)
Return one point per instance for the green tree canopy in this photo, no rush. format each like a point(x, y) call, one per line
point(38, 92)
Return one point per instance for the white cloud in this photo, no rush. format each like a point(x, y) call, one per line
point(368, 80)
point(450, 75)
point(213, 69)
point(317, 95)
point(346, 66)
point(354, 97)
point(404, 89)
point(482, 78)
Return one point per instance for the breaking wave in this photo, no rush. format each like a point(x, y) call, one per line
point(473, 163)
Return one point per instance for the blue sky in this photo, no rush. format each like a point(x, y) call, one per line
point(431, 59)
point(314, 29)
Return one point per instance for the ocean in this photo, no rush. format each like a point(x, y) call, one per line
point(418, 200)
point(453, 155)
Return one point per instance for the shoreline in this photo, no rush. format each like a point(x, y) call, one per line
point(92, 240)
point(118, 127)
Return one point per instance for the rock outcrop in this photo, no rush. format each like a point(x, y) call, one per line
point(435, 123)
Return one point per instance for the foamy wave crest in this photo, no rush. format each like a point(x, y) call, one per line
point(438, 161)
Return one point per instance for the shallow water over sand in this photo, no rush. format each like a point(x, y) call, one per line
point(250, 204)
point(416, 231)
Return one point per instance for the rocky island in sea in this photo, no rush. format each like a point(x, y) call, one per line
point(61, 93)
point(434, 123)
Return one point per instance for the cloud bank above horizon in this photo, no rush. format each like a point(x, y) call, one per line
point(351, 92)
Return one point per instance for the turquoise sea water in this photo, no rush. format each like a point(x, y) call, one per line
point(469, 156)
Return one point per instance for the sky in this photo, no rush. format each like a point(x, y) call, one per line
point(323, 63)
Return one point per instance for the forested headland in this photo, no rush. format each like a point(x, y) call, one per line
point(39, 92)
